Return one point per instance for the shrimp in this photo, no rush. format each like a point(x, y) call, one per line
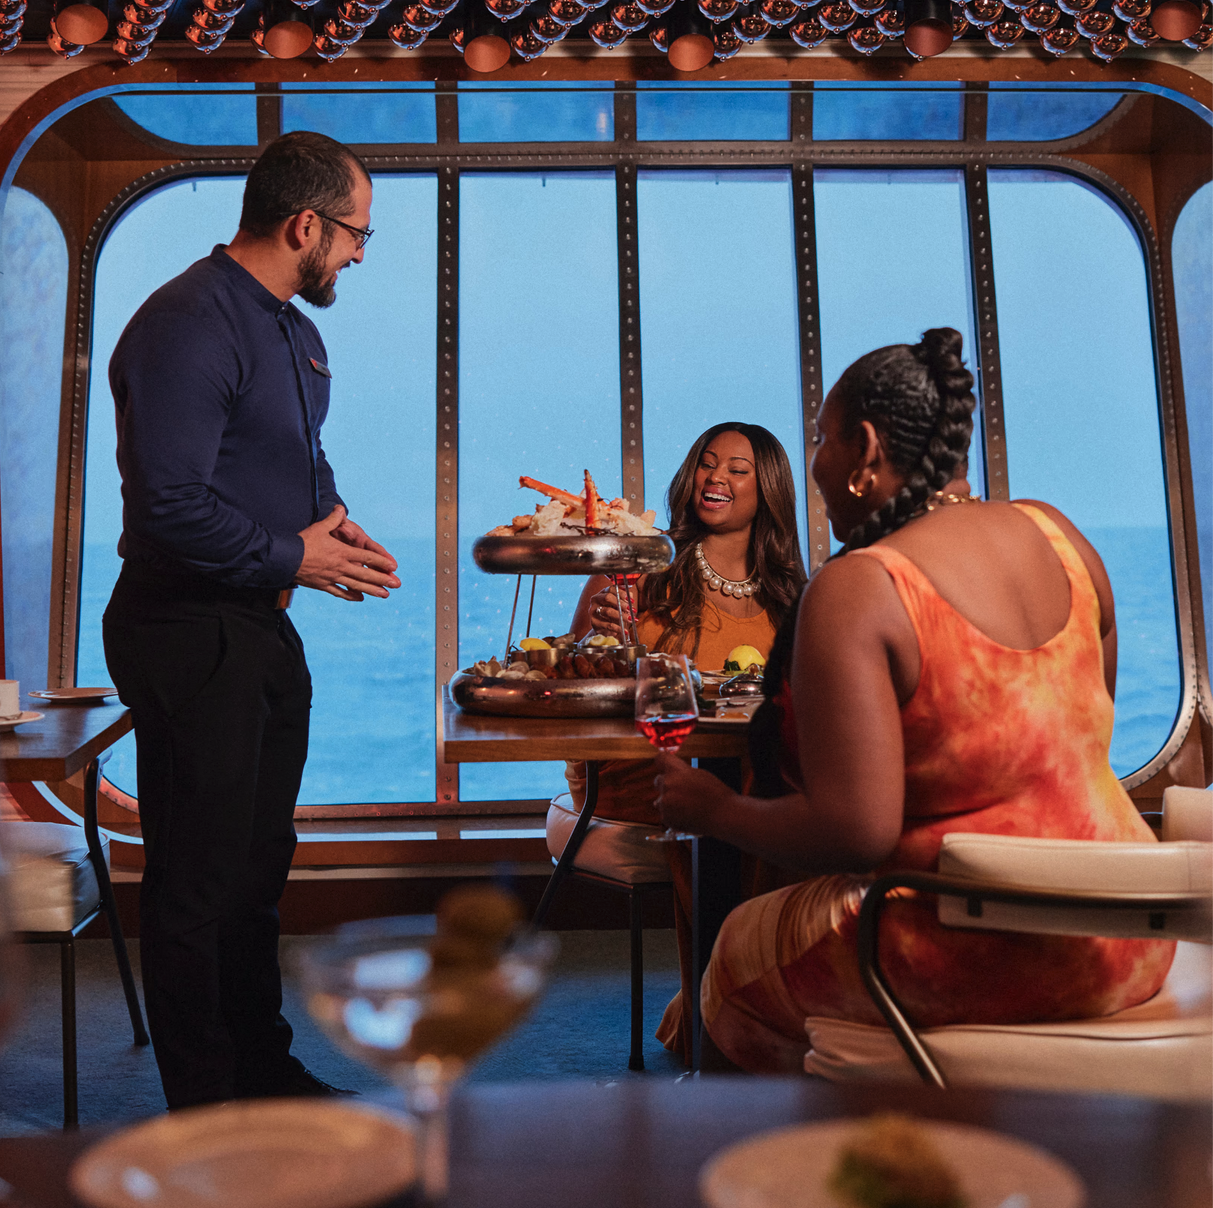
point(591, 502)
point(565, 497)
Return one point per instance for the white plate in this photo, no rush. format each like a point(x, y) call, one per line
point(70, 694)
point(789, 1169)
point(270, 1153)
point(25, 716)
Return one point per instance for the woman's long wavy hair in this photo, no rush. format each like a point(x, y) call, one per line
point(676, 595)
point(919, 398)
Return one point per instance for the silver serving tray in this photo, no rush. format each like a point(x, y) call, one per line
point(573, 555)
point(543, 698)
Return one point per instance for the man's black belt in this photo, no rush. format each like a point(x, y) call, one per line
point(183, 584)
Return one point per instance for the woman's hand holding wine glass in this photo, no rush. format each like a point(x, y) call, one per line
point(666, 709)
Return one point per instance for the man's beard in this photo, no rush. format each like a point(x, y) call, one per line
point(314, 286)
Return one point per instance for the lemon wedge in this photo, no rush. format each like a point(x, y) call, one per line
point(742, 657)
point(602, 639)
point(533, 644)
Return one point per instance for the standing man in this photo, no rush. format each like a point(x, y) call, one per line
point(221, 386)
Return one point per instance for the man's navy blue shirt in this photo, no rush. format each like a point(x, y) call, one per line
point(220, 391)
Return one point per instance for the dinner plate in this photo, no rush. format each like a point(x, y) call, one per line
point(62, 695)
point(789, 1168)
point(25, 715)
point(269, 1153)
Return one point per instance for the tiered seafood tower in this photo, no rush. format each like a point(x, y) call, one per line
point(622, 559)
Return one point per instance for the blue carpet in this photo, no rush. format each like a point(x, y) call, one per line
point(579, 1029)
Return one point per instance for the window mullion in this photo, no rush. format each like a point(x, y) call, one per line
point(446, 544)
point(631, 394)
point(811, 386)
point(985, 322)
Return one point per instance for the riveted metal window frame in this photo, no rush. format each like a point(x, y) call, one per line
point(800, 155)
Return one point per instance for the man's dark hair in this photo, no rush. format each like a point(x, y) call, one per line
point(299, 171)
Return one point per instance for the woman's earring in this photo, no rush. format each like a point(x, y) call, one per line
point(858, 492)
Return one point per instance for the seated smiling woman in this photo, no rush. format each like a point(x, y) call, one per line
point(952, 670)
point(736, 574)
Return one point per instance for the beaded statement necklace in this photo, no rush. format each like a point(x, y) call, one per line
point(726, 587)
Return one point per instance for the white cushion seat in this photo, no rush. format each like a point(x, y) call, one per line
point(52, 885)
point(1161, 1048)
point(618, 850)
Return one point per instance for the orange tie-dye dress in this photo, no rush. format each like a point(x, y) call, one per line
point(997, 740)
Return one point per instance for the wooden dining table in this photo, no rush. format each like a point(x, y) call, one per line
point(641, 1141)
point(718, 747)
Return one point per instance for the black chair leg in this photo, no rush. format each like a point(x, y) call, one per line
point(564, 866)
point(108, 903)
point(636, 911)
point(67, 982)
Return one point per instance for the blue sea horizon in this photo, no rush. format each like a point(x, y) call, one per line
point(372, 670)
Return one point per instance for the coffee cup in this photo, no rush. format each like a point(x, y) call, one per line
point(10, 700)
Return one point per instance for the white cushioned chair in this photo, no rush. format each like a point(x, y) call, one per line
point(1161, 1048)
point(58, 884)
point(617, 855)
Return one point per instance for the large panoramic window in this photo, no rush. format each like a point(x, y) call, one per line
point(1082, 417)
point(539, 352)
point(718, 314)
point(33, 266)
point(539, 395)
point(1192, 261)
point(908, 273)
point(372, 663)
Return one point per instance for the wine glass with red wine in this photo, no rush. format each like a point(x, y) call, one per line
point(666, 710)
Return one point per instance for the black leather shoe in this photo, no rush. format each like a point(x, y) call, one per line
point(296, 1082)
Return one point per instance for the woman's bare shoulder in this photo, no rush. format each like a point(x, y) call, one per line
point(848, 588)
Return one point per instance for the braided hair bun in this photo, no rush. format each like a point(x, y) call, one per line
point(919, 398)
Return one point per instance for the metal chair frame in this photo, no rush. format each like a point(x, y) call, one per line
point(67, 949)
point(976, 893)
point(566, 868)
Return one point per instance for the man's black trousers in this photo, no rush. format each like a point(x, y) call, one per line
point(220, 694)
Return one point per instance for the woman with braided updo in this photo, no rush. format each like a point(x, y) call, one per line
point(951, 670)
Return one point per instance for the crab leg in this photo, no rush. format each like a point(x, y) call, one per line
point(551, 492)
point(591, 502)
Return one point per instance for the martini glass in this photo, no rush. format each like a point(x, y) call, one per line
point(666, 711)
point(418, 1008)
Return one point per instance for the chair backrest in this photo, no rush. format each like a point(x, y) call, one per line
point(1084, 866)
point(1187, 814)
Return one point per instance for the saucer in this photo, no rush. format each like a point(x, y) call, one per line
point(790, 1168)
point(25, 716)
point(269, 1153)
point(65, 695)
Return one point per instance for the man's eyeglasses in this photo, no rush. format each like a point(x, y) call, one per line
point(361, 234)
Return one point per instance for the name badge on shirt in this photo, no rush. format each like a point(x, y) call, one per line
point(320, 367)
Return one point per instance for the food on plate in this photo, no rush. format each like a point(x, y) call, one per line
point(745, 658)
point(602, 639)
point(891, 1162)
point(569, 515)
point(582, 663)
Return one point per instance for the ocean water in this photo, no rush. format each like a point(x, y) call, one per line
point(374, 718)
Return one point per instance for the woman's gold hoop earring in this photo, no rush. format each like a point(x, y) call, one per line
point(858, 492)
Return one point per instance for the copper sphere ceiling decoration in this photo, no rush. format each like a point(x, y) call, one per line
point(707, 30)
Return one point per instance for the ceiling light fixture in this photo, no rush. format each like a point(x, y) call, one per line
point(286, 30)
point(928, 27)
point(690, 37)
point(485, 47)
point(1175, 20)
point(84, 23)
